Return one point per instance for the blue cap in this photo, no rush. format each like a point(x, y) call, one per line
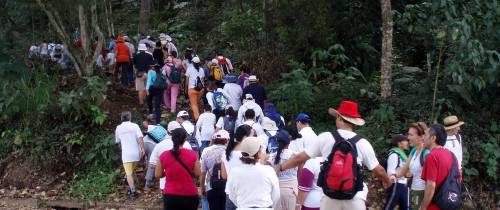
point(302, 117)
point(283, 136)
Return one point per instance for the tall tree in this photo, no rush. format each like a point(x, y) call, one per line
point(144, 16)
point(386, 60)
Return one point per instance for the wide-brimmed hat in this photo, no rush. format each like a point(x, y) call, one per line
point(253, 78)
point(348, 110)
point(269, 125)
point(451, 122)
point(142, 47)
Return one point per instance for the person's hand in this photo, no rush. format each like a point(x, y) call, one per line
point(147, 93)
point(203, 192)
point(298, 207)
point(393, 178)
point(386, 183)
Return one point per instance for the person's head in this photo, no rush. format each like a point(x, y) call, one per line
point(196, 62)
point(400, 141)
point(126, 116)
point(302, 120)
point(241, 132)
point(294, 133)
point(112, 37)
point(452, 125)
point(249, 114)
point(245, 69)
point(435, 135)
point(151, 119)
point(155, 66)
point(188, 55)
point(179, 136)
point(221, 137)
point(172, 125)
point(269, 125)
point(212, 86)
point(248, 97)
point(347, 115)
point(207, 108)
point(230, 112)
point(142, 47)
point(219, 53)
point(182, 116)
point(173, 53)
point(253, 79)
point(158, 44)
point(250, 148)
point(416, 133)
point(284, 139)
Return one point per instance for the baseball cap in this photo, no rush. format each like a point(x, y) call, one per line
point(173, 125)
point(250, 146)
point(196, 59)
point(303, 117)
point(182, 114)
point(221, 134)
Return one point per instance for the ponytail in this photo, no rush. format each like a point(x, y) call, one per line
point(241, 132)
point(179, 136)
point(281, 147)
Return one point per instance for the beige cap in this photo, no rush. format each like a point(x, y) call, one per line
point(173, 125)
point(251, 145)
point(269, 125)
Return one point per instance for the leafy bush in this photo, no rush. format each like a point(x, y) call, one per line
point(95, 183)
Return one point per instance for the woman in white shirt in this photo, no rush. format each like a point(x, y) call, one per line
point(310, 194)
point(398, 193)
point(415, 163)
point(287, 178)
point(253, 185)
point(231, 158)
point(195, 77)
point(205, 127)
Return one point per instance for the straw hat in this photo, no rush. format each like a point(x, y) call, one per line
point(451, 122)
point(348, 110)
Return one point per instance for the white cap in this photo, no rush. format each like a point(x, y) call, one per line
point(196, 59)
point(173, 125)
point(251, 145)
point(269, 125)
point(253, 78)
point(182, 114)
point(142, 47)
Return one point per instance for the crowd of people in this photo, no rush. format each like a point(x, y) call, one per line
point(233, 142)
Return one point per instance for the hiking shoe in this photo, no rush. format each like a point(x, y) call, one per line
point(132, 194)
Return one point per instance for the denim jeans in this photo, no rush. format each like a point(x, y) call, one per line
point(157, 96)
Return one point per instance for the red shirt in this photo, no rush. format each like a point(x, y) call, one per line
point(178, 180)
point(436, 168)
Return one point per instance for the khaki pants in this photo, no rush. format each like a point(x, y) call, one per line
point(288, 195)
point(334, 204)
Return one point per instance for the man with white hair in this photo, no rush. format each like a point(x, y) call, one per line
point(249, 103)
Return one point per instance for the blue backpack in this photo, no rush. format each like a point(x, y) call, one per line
point(220, 101)
point(157, 134)
point(272, 143)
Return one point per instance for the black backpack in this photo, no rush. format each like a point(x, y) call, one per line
point(449, 195)
point(160, 81)
point(340, 181)
point(229, 126)
point(216, 180)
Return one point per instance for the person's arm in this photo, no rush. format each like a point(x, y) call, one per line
point(380, 173)
point(141, 143)
point(293, 162)
point(404, 170)
point(159, 171)
point(430, 188)
point(197, 170)
point(202, 183)
point(223, 171)
point(275, 190)
point(305, 184)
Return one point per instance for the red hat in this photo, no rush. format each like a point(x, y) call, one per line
point(348, 110)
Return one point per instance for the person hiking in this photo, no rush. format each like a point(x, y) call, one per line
point(227, 122)
point(454, 139)
point(174, 80)
point(307, 133)
point(112, 43)
point(205, 127)
point(155, 86)
point(129, 136)
point(287, 178)
point(188, 58)
point(218, 99)
point(131, 47)
point(244, 76)
point(105, 62)
point(347, 117)
point(231, 158)
point(415, 163)
point(167, 44)
point(270, 111)
point(142, 62)
point(310, 194)
point(233, 90)
point(224, 63)
point(440, 172)
point(179, 166)
point(122, 56)
point(249, 103)
point(253, 185)
point(211, 182)
point(397, 194)
point(251, 121)
point(194, 86)
point(149, 145)
point(158, 54)
point(159, 149)
point(270, 130)
point(258, 92)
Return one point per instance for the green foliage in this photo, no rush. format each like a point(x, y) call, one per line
point(102, 150)
point(95, 183)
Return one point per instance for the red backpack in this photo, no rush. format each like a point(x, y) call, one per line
point(224, 66)
point(341, 177)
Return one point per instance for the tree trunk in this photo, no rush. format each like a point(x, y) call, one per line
point(144, 15)
point(386, 61)
point(111, 18)
point(106, 16)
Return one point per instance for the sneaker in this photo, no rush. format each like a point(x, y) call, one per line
point(132, 194)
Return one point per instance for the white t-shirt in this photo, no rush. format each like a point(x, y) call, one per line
point(253, 186)
point(308, 135)
point(234, 91)
point(205, 127)
point(416, 170)
point(210, 97)
point(289, 174)
point(392, 166)
point(256, 126)
point(313, 199)
point(233, 162)
point(454, 145)
point(259, 115)
point(322, 147)
point(128, 134)
point(188, 126)
point(192, 74)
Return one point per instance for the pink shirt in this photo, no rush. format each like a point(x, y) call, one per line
point(178, 180)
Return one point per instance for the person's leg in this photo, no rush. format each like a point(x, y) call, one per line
point(148, 147)
point(355, 203)
point(216, 199)
point(188, 202)
point(204, 203)
point(150, 102)
point(123, 73)
point(199, 95)
point(174, 92)
point(158, 100)
point(130, 71)
point(165, 200)
point(194, 101)
point(416, 198)
point(166, 97)
point(129, 171)
point(404, 198)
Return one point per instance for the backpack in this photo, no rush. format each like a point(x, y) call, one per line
point(198, 85)
point(383, 162)
point(229, 126)
point(193, 142)
point(220, 101)
point(157, 134)
point(272, 143)
point(175, 75)
point(341, 177)
point(216, 180)
point(449, 195)
point(223, 65)
point(160, 81)
point(216, 72)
